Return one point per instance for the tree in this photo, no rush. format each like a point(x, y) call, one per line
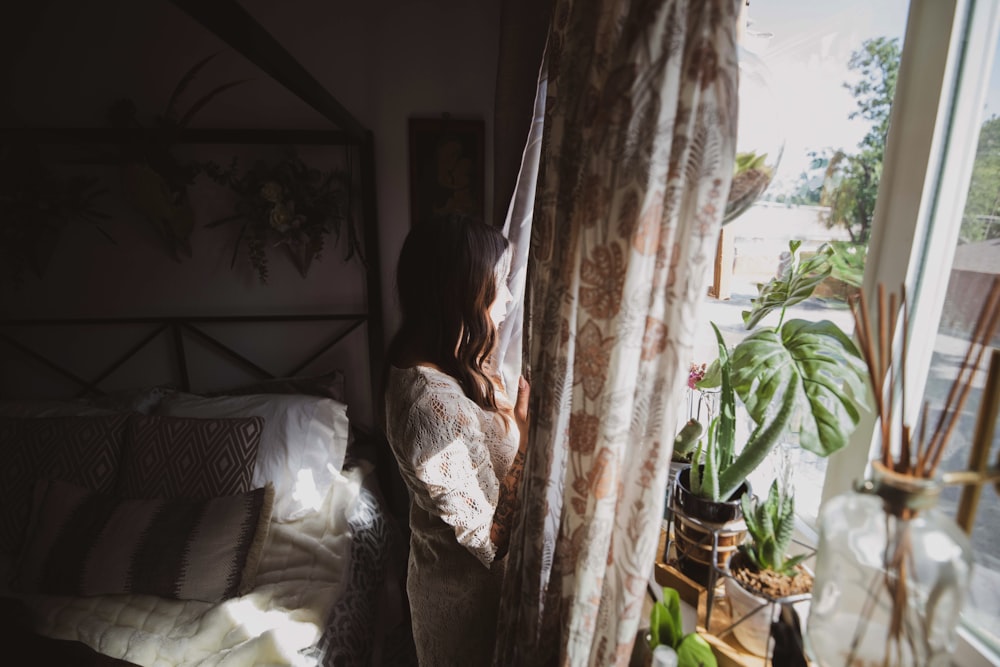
point(851, 181)
point(981, 219)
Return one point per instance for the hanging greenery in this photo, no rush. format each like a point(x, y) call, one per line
point(287, 205)
point(154, 180)
point(37, 205)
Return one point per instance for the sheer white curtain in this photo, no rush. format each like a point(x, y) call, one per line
point(517, 229)
point(621, 192)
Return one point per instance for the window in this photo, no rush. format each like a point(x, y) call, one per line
point(803, 52)
point(945, 101)
point(963, 236)
point(937, 117)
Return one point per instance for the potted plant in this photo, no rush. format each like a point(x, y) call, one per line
point(708, 525)
point(762, 572)
point(809, 372)
point(702, 407)
point(666, 630)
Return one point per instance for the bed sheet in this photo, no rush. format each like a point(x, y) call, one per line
point(308, 606)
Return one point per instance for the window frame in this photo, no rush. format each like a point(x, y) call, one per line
point(936, 116)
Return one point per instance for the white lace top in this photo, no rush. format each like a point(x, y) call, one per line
point(452, 455)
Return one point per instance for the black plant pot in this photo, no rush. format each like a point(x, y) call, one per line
point(702, 526)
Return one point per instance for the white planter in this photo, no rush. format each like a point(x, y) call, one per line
point(753, 631)
point(757, 613)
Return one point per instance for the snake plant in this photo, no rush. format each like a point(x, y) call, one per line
point(809, 373)
point(770, 525)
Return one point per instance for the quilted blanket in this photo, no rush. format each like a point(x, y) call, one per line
point(309, 605)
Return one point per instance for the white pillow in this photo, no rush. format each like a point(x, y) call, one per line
point(143, 400)
point(302, 446)
point(47, 408)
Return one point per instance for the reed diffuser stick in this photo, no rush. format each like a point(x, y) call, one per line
point(917, 456)
point(985, 329)
point(863, 332)
point(921, 432)
point(884, 379)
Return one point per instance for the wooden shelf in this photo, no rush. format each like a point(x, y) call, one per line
point(728, 651)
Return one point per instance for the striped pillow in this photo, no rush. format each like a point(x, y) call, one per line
point(84, 543)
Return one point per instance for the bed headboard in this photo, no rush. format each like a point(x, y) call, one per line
point(48, 351)
point(93, 356)
point(45, 346)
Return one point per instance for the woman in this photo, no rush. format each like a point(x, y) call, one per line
point(459, 442)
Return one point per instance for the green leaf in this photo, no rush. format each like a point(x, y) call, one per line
point(815, 361)
point(694, 473)
point(694, 651)
point(205, 99)
point(688, 437)
point(790, 563)
point(727, 401)
point(749, 516)
point(796, 284)
point(184, 83)
point(712, 378)
point(770, 525)
point(848, 262)
point(757, 447)
point(709, 477)
point(665, 622)
point(784, 525)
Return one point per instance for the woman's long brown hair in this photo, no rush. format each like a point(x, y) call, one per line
point(446, 280)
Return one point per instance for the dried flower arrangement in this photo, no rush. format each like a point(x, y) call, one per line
point(287, 204)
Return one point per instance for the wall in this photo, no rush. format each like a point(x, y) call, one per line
point(64, 62)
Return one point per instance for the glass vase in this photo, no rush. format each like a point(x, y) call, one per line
point(891, 576)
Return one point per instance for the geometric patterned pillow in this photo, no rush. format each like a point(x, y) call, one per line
point(302, 446)
point(174, 457)
point(82, 543)
point(81, 450)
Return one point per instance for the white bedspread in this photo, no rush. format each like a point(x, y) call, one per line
point(303, 570)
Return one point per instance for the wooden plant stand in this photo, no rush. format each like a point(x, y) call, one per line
point(714, 618)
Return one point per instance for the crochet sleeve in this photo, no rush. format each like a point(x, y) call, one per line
point(451, 461)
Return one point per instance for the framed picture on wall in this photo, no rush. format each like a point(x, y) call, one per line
point(446, 167)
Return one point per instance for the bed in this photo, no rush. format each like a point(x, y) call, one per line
point(190, 499)
point(163, 525)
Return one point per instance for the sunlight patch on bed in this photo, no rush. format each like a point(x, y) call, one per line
point(306, 494)
point(256, 621)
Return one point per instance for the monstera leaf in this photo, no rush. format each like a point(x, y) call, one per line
point(806, 376)
point(796, 284)
point(819, 364)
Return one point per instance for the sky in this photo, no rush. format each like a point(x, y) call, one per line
point(805, 47)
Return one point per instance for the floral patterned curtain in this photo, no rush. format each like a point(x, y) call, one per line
point(633, 172)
